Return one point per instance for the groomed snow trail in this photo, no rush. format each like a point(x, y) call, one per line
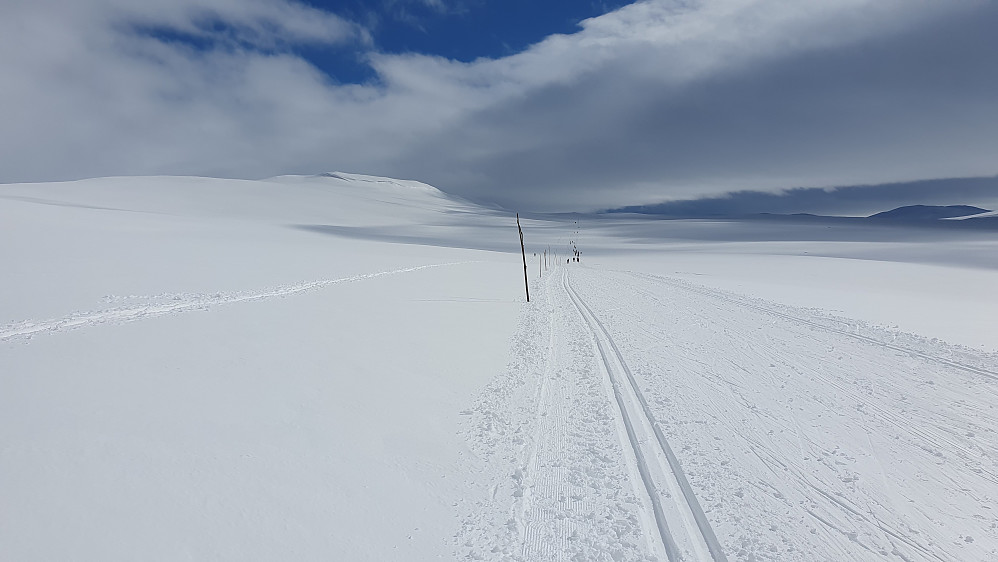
point(710, 426)
point(681, 523)
point(809, 437)
point(160, 305)
point(558, 482)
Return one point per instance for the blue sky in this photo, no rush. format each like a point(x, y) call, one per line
point(462, 31)
point(536, 106)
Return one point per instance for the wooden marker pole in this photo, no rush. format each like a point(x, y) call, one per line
point(523, 253)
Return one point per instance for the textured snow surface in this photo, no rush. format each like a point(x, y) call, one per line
point(342, 367)
point(802, 436)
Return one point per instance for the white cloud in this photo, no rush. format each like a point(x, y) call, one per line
point(659, 99)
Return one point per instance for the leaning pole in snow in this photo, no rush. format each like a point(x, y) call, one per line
point(524, 254)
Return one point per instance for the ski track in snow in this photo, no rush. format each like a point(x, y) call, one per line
point(558, 487)
point(691, 535)
point(823, 325)
point(178, 303)
point(736, 428)
point(888, 449)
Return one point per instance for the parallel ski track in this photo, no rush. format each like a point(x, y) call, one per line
point(637, 417)
point(186, 303)
point(894, 533)
point(734, 300)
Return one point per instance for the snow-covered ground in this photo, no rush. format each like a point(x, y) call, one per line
point(343, 367)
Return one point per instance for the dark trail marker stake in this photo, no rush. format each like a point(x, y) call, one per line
point(524, 254)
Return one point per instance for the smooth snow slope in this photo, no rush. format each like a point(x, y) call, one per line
point(186, 374)
point(343, 367)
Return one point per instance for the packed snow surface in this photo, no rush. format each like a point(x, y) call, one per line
point(343, 367)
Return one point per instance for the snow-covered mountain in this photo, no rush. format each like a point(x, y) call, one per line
point(343, 367)
point(929, 212)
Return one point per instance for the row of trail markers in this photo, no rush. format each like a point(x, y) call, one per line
point(543, 261)
point(545, 258)
point(575, 249)
point(523, 252)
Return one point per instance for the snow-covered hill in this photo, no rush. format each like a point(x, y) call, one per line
point(929, 212)
point(343, 367)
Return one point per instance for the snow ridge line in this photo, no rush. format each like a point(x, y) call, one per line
point(699, 536)
point(27, 329)
point(744, 302)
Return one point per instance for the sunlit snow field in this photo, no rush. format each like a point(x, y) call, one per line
point(343, 367)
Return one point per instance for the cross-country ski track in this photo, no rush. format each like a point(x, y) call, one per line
point(681, 523)
point(345, 367)
point(646, 417)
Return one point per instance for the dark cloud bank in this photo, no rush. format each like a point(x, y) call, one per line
point(902, 106)
point(858, 200)
point(662, 100)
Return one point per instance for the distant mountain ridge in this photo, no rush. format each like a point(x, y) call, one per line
point(928, 212)
point(961, 217)
point(843, 201)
